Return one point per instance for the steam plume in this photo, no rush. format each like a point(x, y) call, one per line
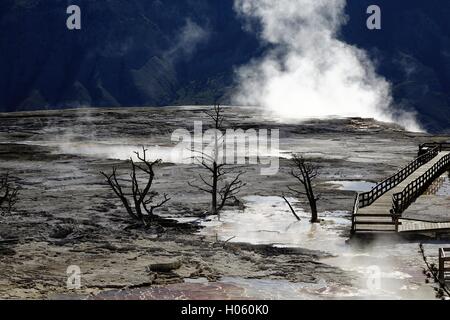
point(309, 72)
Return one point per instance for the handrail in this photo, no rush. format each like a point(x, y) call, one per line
point(443, 258)
point(355, 211)
point(443, 146)
point(403, 199)
point(367, 198)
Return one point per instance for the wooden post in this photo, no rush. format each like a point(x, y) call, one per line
point(441, 266)
point(355, 211)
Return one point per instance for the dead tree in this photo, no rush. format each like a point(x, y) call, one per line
point(432, 271)
point(219, 184)
point(305, 173)
point(140, 204)
point(8, 194)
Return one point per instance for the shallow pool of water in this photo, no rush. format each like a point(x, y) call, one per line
point(383, 269)
point(357, 186)
point(390, 269)
point(268, 220)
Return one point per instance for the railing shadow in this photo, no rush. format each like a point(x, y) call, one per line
point(402, 200)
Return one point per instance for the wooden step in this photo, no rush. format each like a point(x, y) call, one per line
point(376, 222)
point(373, 215)
point(371, 231)
point(375, 209)
point(365, 227)
point(373, 218)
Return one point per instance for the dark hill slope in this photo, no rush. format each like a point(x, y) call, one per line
point(153, 52)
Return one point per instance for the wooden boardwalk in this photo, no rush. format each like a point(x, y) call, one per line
point(418, 226)
point(378, 214)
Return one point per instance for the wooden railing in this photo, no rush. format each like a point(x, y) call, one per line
point(355, 211)
point(367, 198)
point(402, 200)
point(425, 147)
point(443, 258)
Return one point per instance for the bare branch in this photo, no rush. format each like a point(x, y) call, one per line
point(230, 190)
point(204, 181)
point(159, 205)
point(292, 209)
point(217, 185)
point(295, 191)
point(199, 188)
point(141, 198)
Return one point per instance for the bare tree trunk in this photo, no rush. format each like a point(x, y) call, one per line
point(311, 198)
point(214, 189)
point(305, 172)
point(216, 184)
point(314, 215)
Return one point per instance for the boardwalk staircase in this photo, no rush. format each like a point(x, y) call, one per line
point(379, 210)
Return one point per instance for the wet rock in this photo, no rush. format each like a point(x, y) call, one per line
point(61, 232)
point(166, 266)
point(5, 251)
point(114, 256)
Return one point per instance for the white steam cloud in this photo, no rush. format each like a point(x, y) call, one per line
point(309, 73)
